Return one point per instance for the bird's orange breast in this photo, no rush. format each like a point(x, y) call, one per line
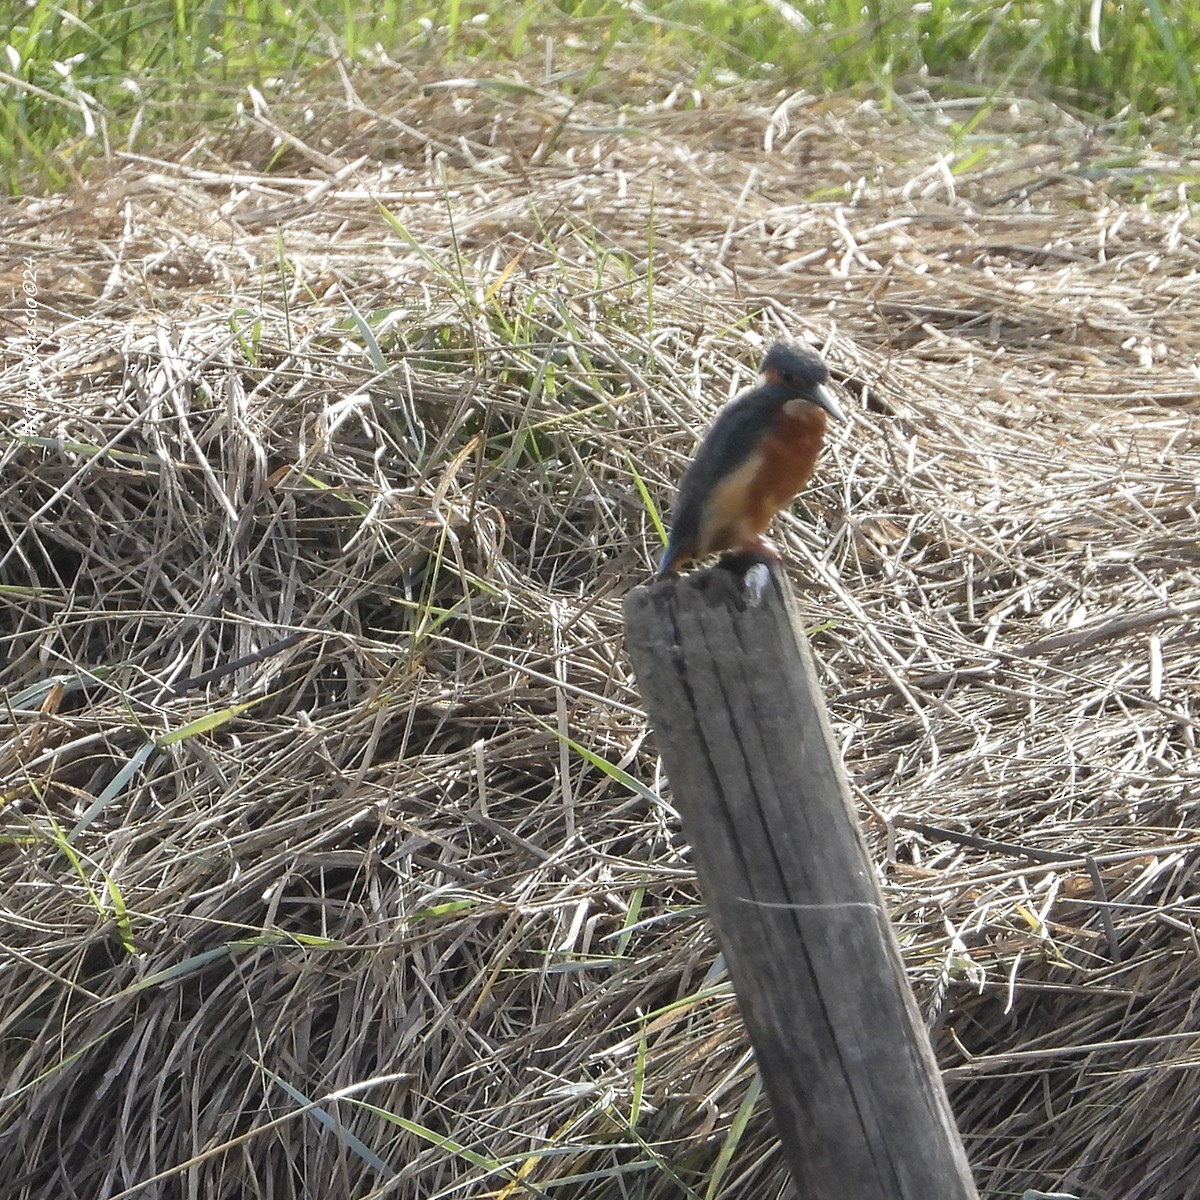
point(742, 504)
point(789, 456)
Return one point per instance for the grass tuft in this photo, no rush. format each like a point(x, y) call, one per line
point(87, 81)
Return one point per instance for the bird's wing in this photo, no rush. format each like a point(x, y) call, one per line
point(731, 439)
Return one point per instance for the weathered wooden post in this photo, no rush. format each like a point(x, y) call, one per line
point(729, 685)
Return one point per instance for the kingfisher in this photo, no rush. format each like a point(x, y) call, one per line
point(756, 456)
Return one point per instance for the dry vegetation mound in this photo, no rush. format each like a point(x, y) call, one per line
point(397, 907)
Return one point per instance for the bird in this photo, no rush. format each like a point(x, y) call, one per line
point(756, 456)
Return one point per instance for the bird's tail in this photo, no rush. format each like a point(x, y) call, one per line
point(672, 559)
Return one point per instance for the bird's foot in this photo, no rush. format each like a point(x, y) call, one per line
point(760, 552)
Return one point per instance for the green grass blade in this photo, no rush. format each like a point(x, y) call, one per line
point(329, 1122)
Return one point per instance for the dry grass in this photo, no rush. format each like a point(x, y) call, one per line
point(378, 912)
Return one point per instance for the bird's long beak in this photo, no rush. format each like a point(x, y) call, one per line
point(823, 398)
